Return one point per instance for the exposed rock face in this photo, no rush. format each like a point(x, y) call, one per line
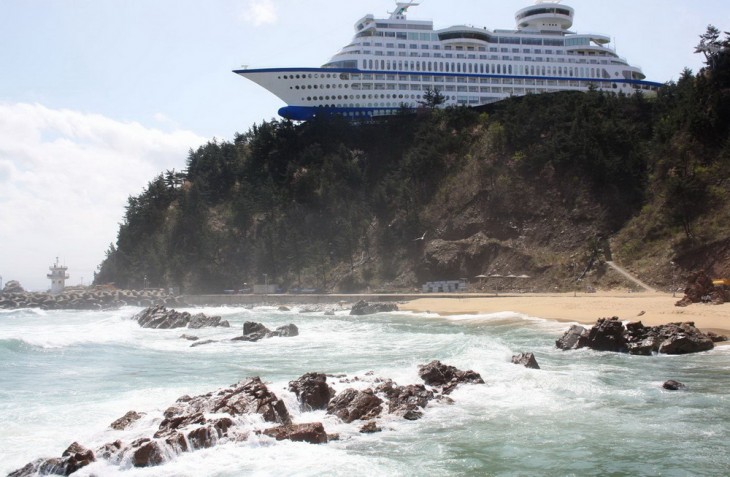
point(607, 335)
point(673, 385)
point(253, 331)
point(352, 404)
point(364, 308)
point(406, 401)
point(526, 359)
point(312, 433)
point(635, 338)
point(574, 338)
point(700, 289)
point(438, 374)
point(126, 420)
point(200, 422)
point(159, 317)
point(72, 459)
point(249, 396)
point(312, 391)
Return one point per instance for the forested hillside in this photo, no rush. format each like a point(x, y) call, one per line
point(544, 185)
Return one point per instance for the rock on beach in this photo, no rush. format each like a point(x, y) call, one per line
point(610, 334)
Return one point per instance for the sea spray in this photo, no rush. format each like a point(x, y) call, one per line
point(67, 375)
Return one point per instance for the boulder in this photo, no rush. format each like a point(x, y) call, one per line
point(364, 308)
point(312, 433)
point(202, 321)
point(246, 397)
point(406, 401)
point(607, 335)
point(13, 286)
point(370, 428)
point(146, 453)
point(284, 331)
point(253, 331)
point(312, 391)
point(438, 374)
point(673, 385)
point(526, 359)
point(352, 404)
point(682, 343)
point(159, 317)
point(126, 420)
point(635, 338)
point(574, 338)
point(700, 289)
point(73, 458)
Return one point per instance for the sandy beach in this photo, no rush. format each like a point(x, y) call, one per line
point(657, 308)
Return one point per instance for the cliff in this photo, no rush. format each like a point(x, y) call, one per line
point(549, 186)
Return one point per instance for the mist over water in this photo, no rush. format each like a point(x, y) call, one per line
point(65, 376)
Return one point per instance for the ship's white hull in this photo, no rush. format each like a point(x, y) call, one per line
point(358, 93)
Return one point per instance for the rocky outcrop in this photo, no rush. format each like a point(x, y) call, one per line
point(126, 420)
point(700, 289)
point(201, 422)
point(312, 391)
point(352, 404)
point(253, 331)
point(526, 359)
point(406, 401)
point(159, 317)
point(72, 459)
point(88, 299)
point(574, 338)
point(364, 308)
point(610, 334)
point(437, 374)
point(312, 433)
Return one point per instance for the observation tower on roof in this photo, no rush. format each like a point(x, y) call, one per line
point(545, 16)
point(58, 277)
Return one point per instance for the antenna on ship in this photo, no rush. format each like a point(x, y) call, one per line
point(401, 8)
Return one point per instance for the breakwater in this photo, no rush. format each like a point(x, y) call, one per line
point(321, 299)
point(91, 299)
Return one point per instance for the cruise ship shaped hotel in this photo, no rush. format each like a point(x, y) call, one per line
point(392, 62)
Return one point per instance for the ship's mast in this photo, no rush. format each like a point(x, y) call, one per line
point(401, 8)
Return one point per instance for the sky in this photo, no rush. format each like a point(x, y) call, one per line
point(97, 97)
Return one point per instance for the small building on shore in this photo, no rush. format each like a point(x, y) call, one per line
point(58, 277)
point(446, 286)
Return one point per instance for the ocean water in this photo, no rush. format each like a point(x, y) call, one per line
point(65, 376)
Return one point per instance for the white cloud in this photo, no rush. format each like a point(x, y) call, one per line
point(260, 12)
point(64, 180)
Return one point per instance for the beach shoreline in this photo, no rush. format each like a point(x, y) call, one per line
point(652, 309)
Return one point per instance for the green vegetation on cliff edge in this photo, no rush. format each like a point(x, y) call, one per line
point(545, 185)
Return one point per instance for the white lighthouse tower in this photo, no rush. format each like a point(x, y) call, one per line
point(58, 277)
